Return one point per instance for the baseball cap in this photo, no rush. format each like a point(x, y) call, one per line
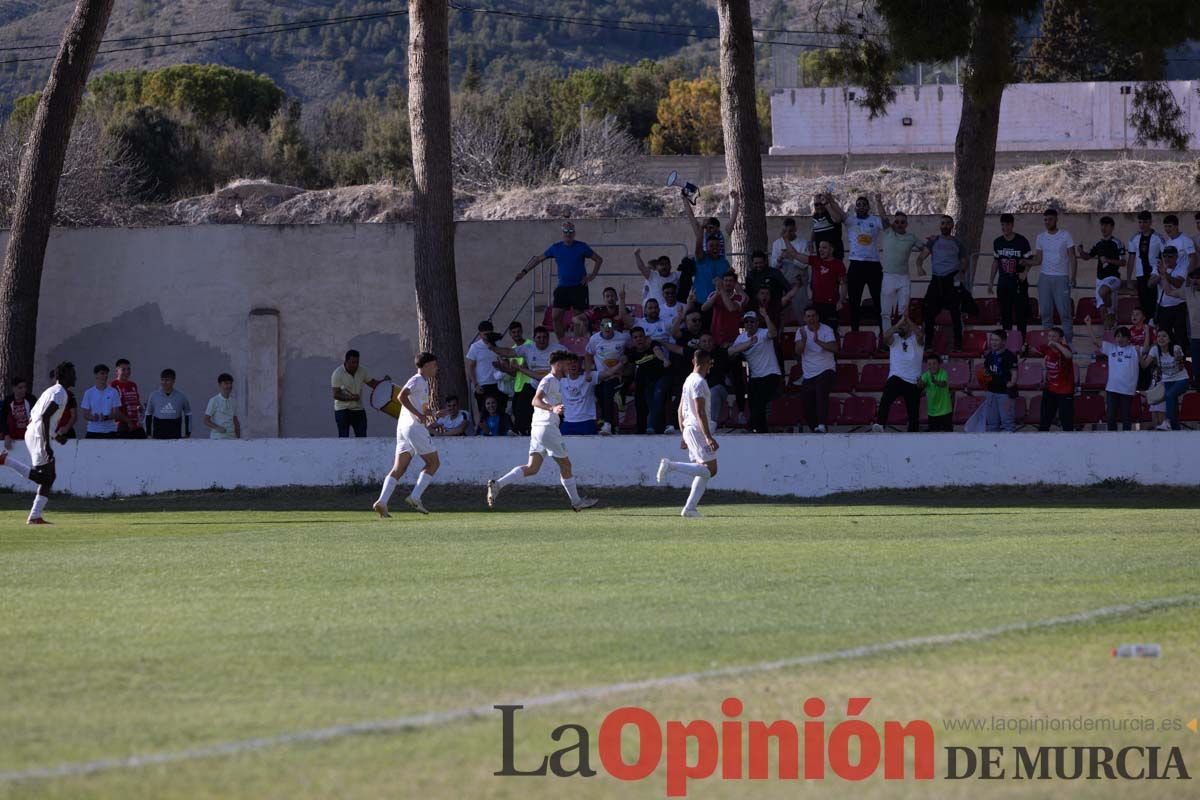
point(1170, 250)
point(750, 315)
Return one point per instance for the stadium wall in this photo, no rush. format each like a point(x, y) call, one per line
point(277, 306)
point(806, 466)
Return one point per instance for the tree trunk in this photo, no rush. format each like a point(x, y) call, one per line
point(739, 122)
point(989, 68)
point(438, 325)
point(37, 187)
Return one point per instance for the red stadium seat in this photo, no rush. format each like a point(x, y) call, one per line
point(858, 344)
point(958, 374)
point(792, 384)
point(898, 413)
point(973, 345)
point(835, 410)
point(1085, 311)
point(1189, 408)
point(1141, 409)
point(548, 319)
point(873, 377)
point(1015, 341)
point(628, 421)
point(1036, 341)
point(965, 406)
point(1029, 375)
point(989, 311)
point(1020, 409)
point(1095, 378)
point(845, 379)
point(942, 341)
point(1089, 409)
point(857, 412)
point(943, 318)
point(787, 343)
point(785, 412)
point(1125, 306)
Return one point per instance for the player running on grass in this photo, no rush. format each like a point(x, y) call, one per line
point(412, 437)
point(697, 439)
point(43, 421)
point(545, 437)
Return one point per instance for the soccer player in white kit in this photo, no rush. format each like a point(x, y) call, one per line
point(43, 421)
point(697, 438)
point(545, 437)
point(412, 437)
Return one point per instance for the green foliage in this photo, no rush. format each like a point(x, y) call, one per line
point(689, 119)
point(211, 93)
point(24, 108)
point(285, 148)
point(363, 140)
point(1067, 48)
point(169, 159)
point(1157, 117)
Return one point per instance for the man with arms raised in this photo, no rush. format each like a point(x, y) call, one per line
point(697, 436)
point(412, 437)
point(43, 421)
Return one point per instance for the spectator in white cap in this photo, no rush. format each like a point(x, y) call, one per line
point(762, 363)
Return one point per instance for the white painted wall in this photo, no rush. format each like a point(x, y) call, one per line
point(803, 465)
point(1033, 116)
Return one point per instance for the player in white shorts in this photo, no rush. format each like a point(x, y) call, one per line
point(545, 438)
point(697, 438)
point(43, 421)
point(412, 437)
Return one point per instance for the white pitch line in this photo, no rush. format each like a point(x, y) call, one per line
point(472, 712)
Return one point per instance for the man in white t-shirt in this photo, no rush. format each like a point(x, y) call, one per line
point(906, 358)
point(694, 414)
point(671, 307)
point(43, 422)
point(652, 323)
point(1178, 259)
point(546, 438)
point(789, 255)
point(1123, 362)
point(816, 347)
point(579, 400)
point(606, 349)
point(481, 368)
point(1054, 252)
point(101, 406)
point(657, 274)
point(412, 437)
point(863, 230)
point(453, 420)
point(762, 365)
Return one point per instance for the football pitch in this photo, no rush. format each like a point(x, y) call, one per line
point(208, 635)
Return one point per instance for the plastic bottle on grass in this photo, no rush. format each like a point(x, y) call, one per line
point(1137, 651)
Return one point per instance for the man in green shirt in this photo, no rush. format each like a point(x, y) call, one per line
point(896, 248)
point(936, 384)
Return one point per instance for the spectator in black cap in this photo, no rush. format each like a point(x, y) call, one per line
point(482, 372)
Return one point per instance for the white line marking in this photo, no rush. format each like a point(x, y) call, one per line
point(441, 717)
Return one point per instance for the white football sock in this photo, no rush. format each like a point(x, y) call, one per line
point(572, 490)
point(39, 505)
point(423, 481)
point(389, 486)
point(699, 484)
point(513, 475)
point(19, 467)
point(688, 468)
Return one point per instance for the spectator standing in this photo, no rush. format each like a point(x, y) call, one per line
point(717, 377)
point(131, 402)
point(948, 257)
point(101, 405)
point(1054, 253)
point(710, 266)
point(866, 271)
point(649, 360)
point(762, 276)
point(16, 412)
point(579, 401)
point(762, 364)
point(906, 349)
point(935, 383)
point(347, 381)
point(1058, 390)
point(897, 245)
point(1110, 255)
point(481, 368)
point(493, 421)
point(511, 362)
point(652, 323)
point(1172, 311)
point(827, 219)
point(1190, 294)
point(1123, 361)
point(168, 412)
point(789, 255)
point(613, 309)
point(711, 229)
point(570, 257)
point(1168, 362)
point(453, 421)
point(1145, 251)
point(828, 284)
point(657, 274)
point(1182, 243)
point(607, 352)
point(999, 399)
point(817, 347)
point(220, 416)
point(671, 308)
point(726, 304)
point(1009, 280)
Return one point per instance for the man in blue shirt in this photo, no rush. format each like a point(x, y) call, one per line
point(573, 277)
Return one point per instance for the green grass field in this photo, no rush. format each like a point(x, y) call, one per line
point(157, 625)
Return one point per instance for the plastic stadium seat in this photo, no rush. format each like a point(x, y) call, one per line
point(989, 311)
point(787, 342)
point(785, 412)
point(635, 310)
point(943, 318)
point(1036, 341)
point(1085, 311)
point(1189, 409)
point(835, 410)
point(628, 420)
point(792, 384)
point(965, 406)
point(1141, 409)
point(857, 412)
point(1020, 409)
point(1029, 375)
point(868, 314)
point(1089, 409)
point(898, 413)
point(788, 317)
point(942, 341)
point(1034, 310)
point(873, 377)
point(1125, 306)
point(973, 345)
point(858, 344)
point(548, 319)
point(845, 379)
point(958, 373)
point(1095, 377)
point(1015, 341)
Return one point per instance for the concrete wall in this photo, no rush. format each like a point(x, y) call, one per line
point(1033, 116)
point(277, 306)
point(803, 465)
